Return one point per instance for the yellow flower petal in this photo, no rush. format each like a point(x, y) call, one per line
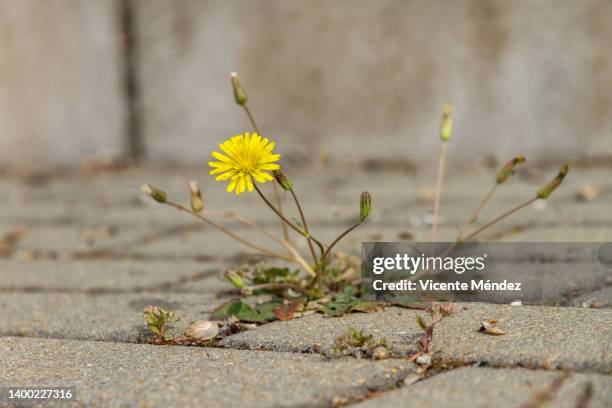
point(221, 157)
point(268, 166)
point(245, 157)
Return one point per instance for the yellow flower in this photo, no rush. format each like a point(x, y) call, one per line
point(246, 158)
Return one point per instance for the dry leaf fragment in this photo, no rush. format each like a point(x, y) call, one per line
point(490, 327)
point(424, 360)
point(589, 193)
point(411, 379)
point(287, 312)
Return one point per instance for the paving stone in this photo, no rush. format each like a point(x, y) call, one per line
point(574, 338)
point(490, 387)
point(333, 199)
point(115, 374)
point(108, 317)
point(597, 299)
point(109, 276)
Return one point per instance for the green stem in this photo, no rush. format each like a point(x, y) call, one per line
point(277, 212)
point(497, 219)
point(251, 118)
point(230, 233)
point(482, 204)
point(299, 207)
point(280, 285)
point(329, 248)
point(439, 178)
point(276, 190)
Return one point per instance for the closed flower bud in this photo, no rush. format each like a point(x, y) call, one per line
point(154, 193)
point(239, 93)
point(203, 330)
point(547, 190)
point(365, 206)
point(508, 169)
point(197, 203)
point(284, 182)
point(446, 126)
point(235, 279)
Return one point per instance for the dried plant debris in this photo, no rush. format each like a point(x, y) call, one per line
point(546, 395)
point(589, 193)
point(354, 342)
point(490, 327)
point(200, 333)
point(10, 240)
point(585, 396)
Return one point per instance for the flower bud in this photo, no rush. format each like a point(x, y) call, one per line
point(446, 126)
point(154, 193)
point(365, 206)
point(508, 169)
point(284, 182)
point(197, 203)
point(235, 279)
point(239, 93)
point(547, 190)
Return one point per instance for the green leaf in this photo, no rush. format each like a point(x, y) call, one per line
point(243, 312)
point(421, 322)
point(266, 309)
point(336, 309)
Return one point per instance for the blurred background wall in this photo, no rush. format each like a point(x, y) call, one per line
point(353, 79)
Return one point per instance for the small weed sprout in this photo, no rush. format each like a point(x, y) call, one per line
point(157, 319)
point(437, 312)
point(355, 342)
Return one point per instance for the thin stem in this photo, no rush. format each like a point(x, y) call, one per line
point(301, 260)
point(329, 248)
point(299, 207)
point(279, 202)
point(277, 195)
point(497, 219)
point(249, 223)
point(251, 118)
point(286, 244)
point(482, 204)
point(231, 234)
point(280, 285)
point(277, 212)
point(436, 209)
point(478, 231)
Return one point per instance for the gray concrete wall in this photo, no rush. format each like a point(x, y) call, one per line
point(363, 78)
point(60, 82)
point(352, 78)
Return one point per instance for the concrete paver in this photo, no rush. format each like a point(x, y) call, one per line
point(490, 387)
point(117, 374)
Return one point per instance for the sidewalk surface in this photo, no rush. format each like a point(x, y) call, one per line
point(82, 254)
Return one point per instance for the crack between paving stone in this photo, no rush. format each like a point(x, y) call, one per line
point(377, 394)
point(134, 256)
point(164, 286)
